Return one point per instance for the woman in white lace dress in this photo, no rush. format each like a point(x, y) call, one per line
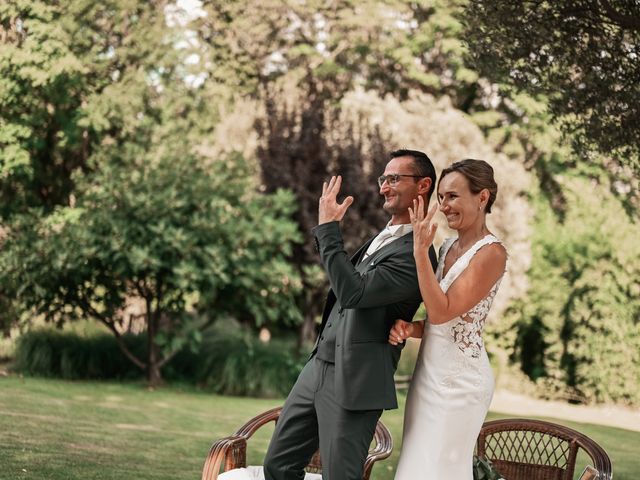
point(452, 383)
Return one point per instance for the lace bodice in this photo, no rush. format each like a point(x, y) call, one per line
point(466, 330)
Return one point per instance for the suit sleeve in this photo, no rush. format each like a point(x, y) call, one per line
point(389, 282)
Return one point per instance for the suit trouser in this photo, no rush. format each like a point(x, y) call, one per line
point(311, 417)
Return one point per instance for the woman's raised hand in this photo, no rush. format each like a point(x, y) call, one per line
point(400, 331)
point(424, 229)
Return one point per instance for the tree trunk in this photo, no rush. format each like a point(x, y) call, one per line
point(154, 377)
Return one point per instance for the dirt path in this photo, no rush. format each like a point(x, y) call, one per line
point(522, 405)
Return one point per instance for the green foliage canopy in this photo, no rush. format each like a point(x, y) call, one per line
point(178, 234)
point(40, 96)
point(102, 134)
point(69, 75)
point(577, 332)
point(583, 55)
point(391, 47)
point(102, 199)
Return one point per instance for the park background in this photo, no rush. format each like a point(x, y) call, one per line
point(160, 165)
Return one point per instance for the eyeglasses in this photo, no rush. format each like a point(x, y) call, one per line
point(392, 179)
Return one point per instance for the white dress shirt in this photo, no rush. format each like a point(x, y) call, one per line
point(388, 235)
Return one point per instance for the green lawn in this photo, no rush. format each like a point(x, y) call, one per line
point(55, 430)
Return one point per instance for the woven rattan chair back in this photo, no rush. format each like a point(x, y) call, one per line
point(231, 452)
point(522, 449)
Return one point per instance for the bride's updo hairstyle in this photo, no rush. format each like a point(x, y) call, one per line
point(479, 174)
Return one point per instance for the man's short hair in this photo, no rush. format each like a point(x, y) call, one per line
point(422, 165)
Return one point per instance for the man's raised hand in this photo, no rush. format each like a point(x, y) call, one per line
point(329, 210)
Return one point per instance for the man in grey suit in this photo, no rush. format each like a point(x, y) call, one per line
point(348, 380)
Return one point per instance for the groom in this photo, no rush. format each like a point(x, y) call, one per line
point(348, 380)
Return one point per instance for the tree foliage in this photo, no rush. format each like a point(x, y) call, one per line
point(583, 55)
point(104, 197)
point(42, 83)
point(192, 241)
point(70, 75)
point(390, 47)
point(577, 330)
point(123, 103)
point(304, 143)
point(302, 60)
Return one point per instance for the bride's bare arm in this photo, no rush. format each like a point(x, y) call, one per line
point(484, 270)
point(474, 284)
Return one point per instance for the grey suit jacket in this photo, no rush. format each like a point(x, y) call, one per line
point(371, 296)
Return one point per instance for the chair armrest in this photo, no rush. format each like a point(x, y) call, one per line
point(382, 449)
point(599, 457)
point(230, 450)
point(258, 421)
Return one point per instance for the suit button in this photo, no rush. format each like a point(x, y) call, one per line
point(337, 345)
point(340, 310)
point(328, 325)
point(321, 337)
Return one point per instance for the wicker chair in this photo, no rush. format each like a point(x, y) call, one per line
point(522, 449)
point(231, 452)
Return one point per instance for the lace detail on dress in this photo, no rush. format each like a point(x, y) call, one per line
point(467, 331)
point(450, 391)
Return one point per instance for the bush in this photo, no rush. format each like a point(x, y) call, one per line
point(233, 362)
point(576, 332)
point(52, 353)
point(230, 360)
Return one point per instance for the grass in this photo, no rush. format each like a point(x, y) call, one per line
point(55, 430)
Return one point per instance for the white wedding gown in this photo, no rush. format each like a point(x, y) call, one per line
point(451, 388)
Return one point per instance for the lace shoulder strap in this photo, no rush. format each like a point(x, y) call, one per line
point(463, 262)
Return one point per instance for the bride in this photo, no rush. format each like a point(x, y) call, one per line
point(452, 384)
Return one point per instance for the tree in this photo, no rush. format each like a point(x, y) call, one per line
point(43, 85)
point(581, 54)
point(304, 143)
point(300, 61)
point(576, 332)
point(70, 74)
point(192, 240)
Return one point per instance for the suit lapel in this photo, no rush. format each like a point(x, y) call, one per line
point(384, 252)
point(361, 251)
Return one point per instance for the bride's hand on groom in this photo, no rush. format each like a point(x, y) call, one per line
point(400, 331)
point(424, 228)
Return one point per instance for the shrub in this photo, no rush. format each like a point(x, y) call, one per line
point(576, 332)
point(232, 361)
point(229, 361)
point(52, 353)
